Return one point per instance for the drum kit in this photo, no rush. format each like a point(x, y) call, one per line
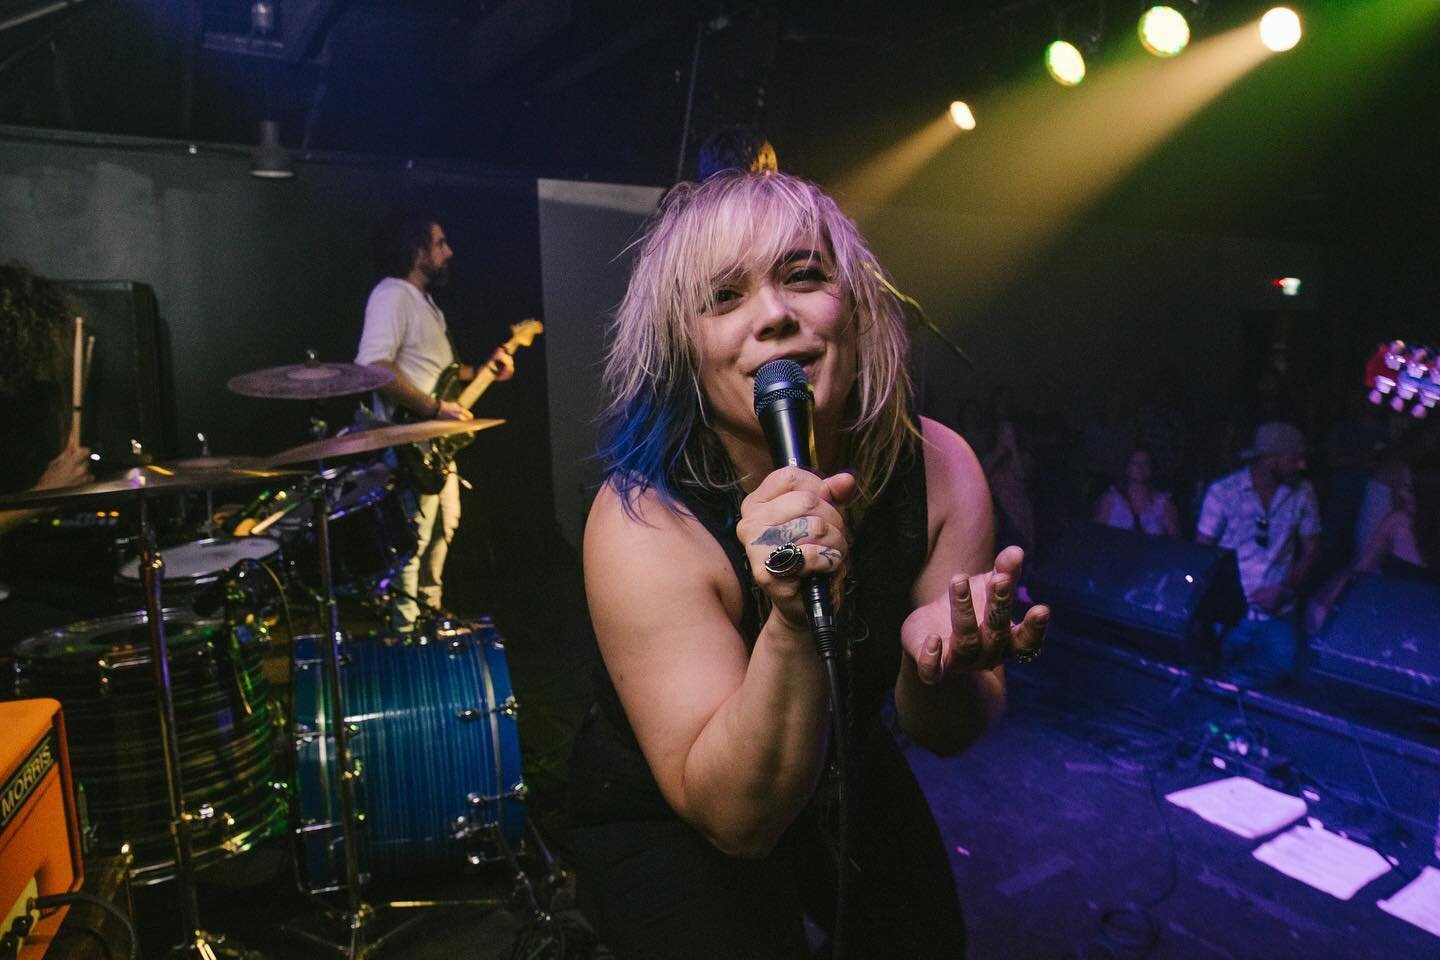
point(398, 756)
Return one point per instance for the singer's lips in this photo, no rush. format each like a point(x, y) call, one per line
point(806, 361)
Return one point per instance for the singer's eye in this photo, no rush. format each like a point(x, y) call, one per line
point(725, 297)
point(812, 274)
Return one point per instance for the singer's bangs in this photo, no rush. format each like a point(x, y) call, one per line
point(654, 434)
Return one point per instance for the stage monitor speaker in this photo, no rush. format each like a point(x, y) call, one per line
point(1383, 634)
point(1171, 598)
point(127, 397)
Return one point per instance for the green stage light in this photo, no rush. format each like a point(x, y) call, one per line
point(1164, 31)
point(1065, 63)
point(1280, 29)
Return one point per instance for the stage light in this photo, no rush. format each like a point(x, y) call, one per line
point(961, 115)
point(1280, 29)
point(1065, 63)
point(1164, 31)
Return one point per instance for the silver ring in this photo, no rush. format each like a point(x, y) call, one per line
point(786, 561)
point(1025, 656)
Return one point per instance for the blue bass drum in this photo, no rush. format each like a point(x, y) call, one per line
point(434, 742)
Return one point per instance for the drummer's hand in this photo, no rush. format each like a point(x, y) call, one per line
point(450, 410)
point(503, 364)
point(982, 642)
point(70, 466)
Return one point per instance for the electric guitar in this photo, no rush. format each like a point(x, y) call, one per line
point(1407, 374)
point(425, 465)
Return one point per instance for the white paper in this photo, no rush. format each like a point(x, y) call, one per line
point(1418, 902)
point(1241, 806)
point(1324, 860)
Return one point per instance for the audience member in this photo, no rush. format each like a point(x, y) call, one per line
point(1267, 513)
point(1133, 503)
point(1405, 545)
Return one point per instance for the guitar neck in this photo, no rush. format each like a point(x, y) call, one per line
point(484, 377)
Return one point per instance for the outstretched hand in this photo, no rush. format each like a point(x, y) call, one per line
point(983, 644)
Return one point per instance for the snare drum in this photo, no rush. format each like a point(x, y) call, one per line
point(436, 745)
point(196, 573)
point(100, 671)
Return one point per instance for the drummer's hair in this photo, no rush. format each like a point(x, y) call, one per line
point(401, 237)
point(34, 334)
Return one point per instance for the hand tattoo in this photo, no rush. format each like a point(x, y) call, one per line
point(997, 618)
point(790, 532)
point(830, 554)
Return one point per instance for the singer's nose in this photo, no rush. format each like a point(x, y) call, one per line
point(772, 312)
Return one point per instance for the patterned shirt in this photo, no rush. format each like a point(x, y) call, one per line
point(1265, 542)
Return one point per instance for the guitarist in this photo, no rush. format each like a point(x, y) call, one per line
point(405, 333)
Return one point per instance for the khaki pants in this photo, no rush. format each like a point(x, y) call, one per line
point(437, 518)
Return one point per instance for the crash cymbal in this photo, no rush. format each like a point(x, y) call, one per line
point(151, 481)
point(378, 438)
point(214, 463)
point(311, 380)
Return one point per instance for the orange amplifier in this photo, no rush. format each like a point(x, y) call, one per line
point(39, 833)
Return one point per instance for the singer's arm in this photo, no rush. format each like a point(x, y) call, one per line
point(735, 740)
point(948, 716)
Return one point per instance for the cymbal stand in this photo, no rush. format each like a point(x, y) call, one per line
point(358, 915)
point(197, 942)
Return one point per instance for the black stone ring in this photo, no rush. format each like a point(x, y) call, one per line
point(786, 561)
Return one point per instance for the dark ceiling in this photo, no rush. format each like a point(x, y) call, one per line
point(603, 90)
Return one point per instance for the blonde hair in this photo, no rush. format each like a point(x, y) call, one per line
point(654, 433)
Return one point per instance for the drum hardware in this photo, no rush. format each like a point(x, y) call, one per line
point(510, 708)
point(311, 380)
point(142, 485)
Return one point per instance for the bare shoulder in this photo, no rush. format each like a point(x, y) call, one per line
point(646, 546)
point(953, 476)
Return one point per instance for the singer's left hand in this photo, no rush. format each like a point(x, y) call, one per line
point(982, 640)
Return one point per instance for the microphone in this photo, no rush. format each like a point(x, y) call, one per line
point(784, 404)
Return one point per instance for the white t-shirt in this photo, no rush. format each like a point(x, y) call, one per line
point(404, 326)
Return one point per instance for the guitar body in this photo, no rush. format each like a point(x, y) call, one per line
point(425, 465)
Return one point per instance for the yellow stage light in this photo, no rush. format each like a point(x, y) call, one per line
point(1280, 29)
point(1164, 31)
point(1065, 63)
point(961, 115)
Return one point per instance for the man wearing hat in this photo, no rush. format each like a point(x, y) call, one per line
point(1267, 513)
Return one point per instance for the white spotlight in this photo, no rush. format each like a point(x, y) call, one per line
point(961, 115)
point(1280, 29)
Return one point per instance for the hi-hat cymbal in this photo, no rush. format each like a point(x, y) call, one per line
point(310, 381)
point(152, 481)
point(378, 438)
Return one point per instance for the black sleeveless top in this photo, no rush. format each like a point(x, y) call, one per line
point(890, 548)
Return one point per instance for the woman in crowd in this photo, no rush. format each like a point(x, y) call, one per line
point(1133, 503)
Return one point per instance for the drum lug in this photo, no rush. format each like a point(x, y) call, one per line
point(518, 791)
point(510, 708)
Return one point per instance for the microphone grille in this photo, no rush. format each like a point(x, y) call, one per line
point(780, 380)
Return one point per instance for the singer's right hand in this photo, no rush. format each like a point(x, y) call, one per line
point(792, 505)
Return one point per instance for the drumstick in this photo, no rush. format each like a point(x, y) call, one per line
point(77, 381)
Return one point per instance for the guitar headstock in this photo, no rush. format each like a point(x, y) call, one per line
point(523, 334)
point(1407, 374)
